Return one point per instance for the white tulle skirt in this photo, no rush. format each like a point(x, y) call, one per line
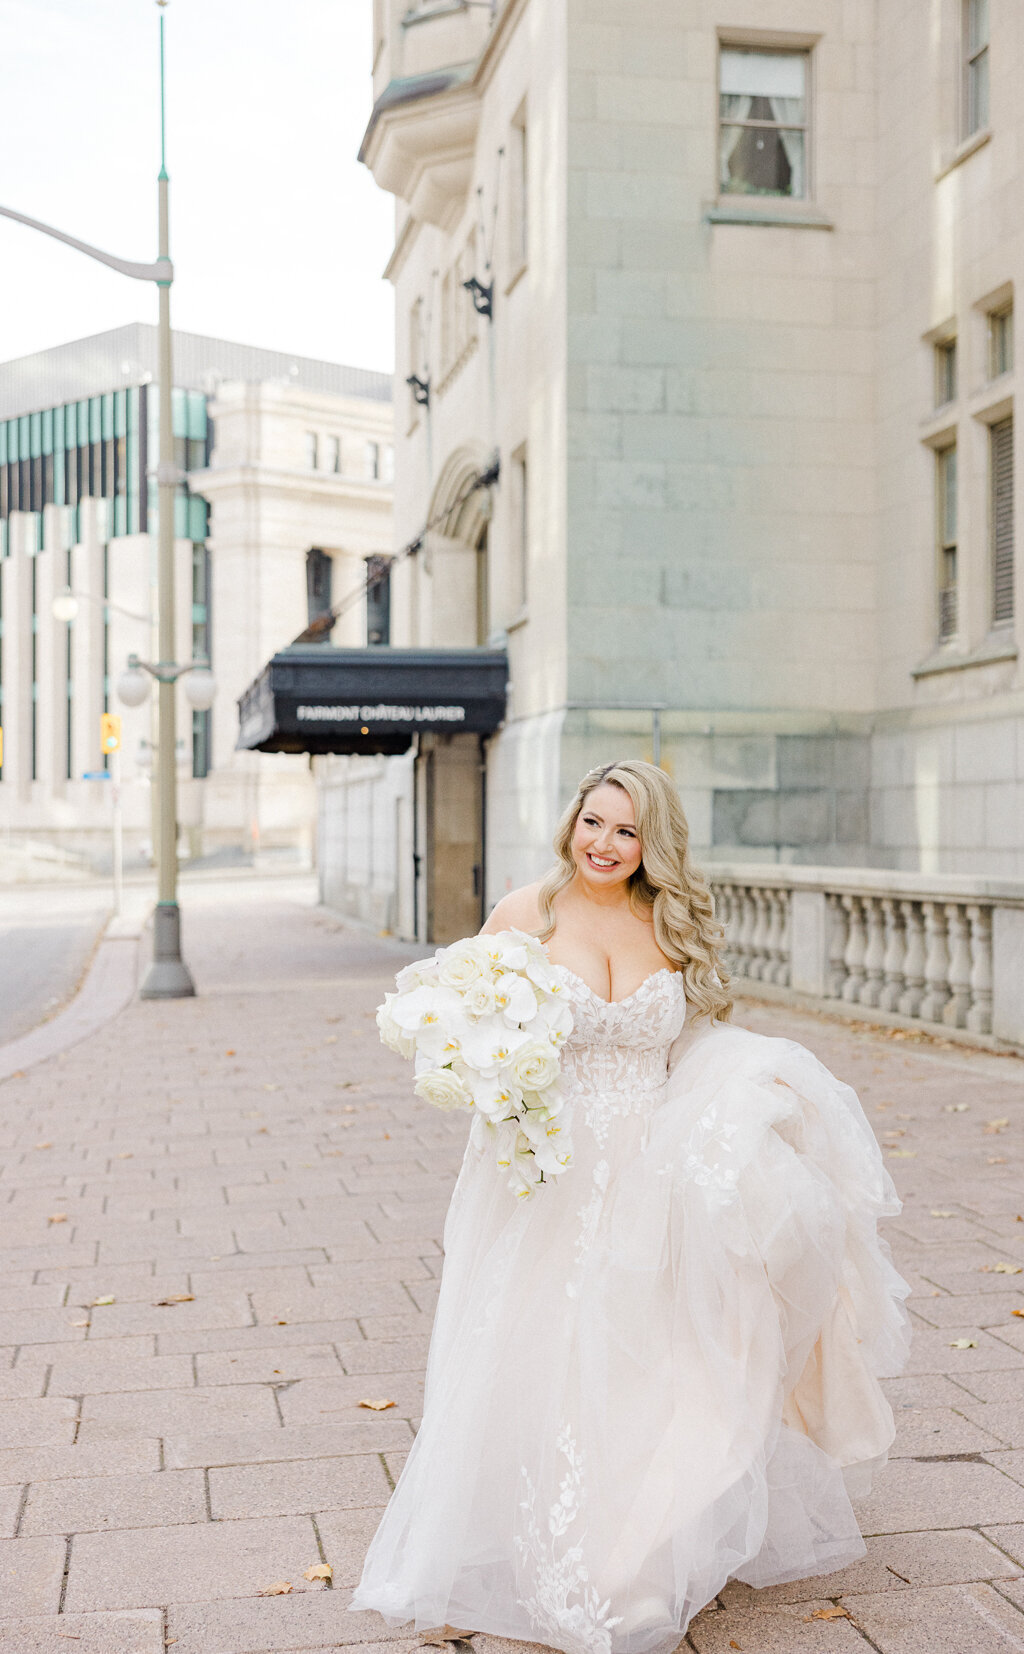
point(662, 1379)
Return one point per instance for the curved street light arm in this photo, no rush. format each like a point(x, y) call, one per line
point(161, 272)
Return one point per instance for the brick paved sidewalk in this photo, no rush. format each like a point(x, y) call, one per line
point(164, 1458)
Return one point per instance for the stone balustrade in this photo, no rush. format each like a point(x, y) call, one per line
point(942, 952)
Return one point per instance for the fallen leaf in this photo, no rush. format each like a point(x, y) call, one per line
point(902, 1154)
point(58, 1217)
point(108, 1298)
point(833, 1613)
point(1019, 1312)
point(44, 1145)
point(1018, 1219)
point(268, 1087)
point(321, 1570)
point(350, 1108)
point(377, 1406)
point(895, 1131)
point(175, 1298)
point(232, 1054)
point(332, 1039)
point(997, 1160)
point(964, 1344)
point(281, 1323)
point(993, 1127)
point(1002, 1269)
point(734, 1644)
point(127, 1155)
point(936, 1212)
point(78, 1323)
point(280, 1587)
point(447, 1634)
point(955, 1108)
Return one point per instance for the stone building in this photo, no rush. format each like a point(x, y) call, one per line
point(287, 494)
point(730, 308)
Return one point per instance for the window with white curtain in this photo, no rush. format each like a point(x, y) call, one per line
point(762, 122)
point(975, 66)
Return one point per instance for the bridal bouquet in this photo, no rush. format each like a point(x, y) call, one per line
point(484, 1020)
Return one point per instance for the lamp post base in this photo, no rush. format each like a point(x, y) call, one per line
point(168, 976)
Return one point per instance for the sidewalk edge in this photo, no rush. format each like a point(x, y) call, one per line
point(108, 987)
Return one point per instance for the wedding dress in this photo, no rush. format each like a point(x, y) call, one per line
point(660, 1372)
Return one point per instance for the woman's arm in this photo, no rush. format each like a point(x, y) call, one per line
point(519, 910)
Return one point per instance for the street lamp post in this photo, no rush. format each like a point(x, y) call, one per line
point(168, 976)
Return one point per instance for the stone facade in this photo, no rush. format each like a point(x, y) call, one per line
point(727, 543)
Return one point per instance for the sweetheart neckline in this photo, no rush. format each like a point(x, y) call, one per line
point(664, 970)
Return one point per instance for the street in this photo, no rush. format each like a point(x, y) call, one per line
point(46, 939)
point(220, 1237)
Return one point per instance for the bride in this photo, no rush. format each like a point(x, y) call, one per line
point(662, 1372)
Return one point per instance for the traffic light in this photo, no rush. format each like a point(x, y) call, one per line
point(110, 732)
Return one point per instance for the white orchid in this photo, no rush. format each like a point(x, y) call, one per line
point(496, 1097)
point(515, 997)
point(424, 1006)
point(489, 1045)
point(391, 1035)
point(555, 1017)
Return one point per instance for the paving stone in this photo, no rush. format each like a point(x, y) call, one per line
point(407, 1269)
point(211, 1561)
point(314, 1621)
point(944, 1619)
point(386, 1355)
point(22, 1383)
point(32, 1297)
point(274, 1337)
point(30, 1423)
point(329, 1400)
point(108, 1371)
point(306, 1485)
point(102, 1502)
point(262, 1366)
point(49, 1463)
point(370, 1433)
point(31, 1574)
point(932, 1352)
point(910, 1496)
point(331, 1303)
point(345, 1536)
point(979, 1309)
point(782, 1629)
point(893, 1562)
point(40, 1326)
point(132, 1631)
point(10, 1505)
point(931, 1430)
point(177, 1412)
point(116, 1320)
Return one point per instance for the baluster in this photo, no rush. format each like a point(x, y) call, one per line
point(745, 931)
point(979, 1017)
point(837, 938)
point(757, 940)
point(954, 1014)
point(781, 971)
point(936, 965)
point(773, 917)
point(856, 947)
point(731, 919)
point(874, 953)
point(895, 950)
point(913, 963)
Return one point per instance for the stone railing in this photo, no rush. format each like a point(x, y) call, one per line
point(942, 952)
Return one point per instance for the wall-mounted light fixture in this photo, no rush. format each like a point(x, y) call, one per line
point(483, 297)
point(420, 390)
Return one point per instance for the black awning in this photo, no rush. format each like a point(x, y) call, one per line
point(315, 698)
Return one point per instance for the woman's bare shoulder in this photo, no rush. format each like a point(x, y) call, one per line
point(519, 910)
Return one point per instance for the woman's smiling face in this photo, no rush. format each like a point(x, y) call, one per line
point(605, 842)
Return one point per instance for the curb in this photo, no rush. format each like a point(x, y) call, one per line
point(108, 987)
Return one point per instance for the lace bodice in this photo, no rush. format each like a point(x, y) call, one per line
point(614, 1061)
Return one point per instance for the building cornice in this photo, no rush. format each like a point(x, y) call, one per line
point(320, 486)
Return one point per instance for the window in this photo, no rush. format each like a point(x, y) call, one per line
point(1000, 341)
point(201, 721)
point(1001, 520)
point(378, 600)
point(387, 463)
point(945, 372)
point(946, 536)
point(975, 61)
point(517, 195)
point(373, 461)
point(334, 454)
point(312, 450)
point(318, 584)
point(763, 122)
point(415, 356)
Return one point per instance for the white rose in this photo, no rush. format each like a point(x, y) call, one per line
point(478, 1000)
point(534, 1067)
point(462, 964)
point(442, 1089)
point(416, 975)
point(391, 1035)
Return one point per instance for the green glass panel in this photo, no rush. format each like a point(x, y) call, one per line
point(48, 431)
point(58, 428)
point(197, 518)
point(35, 436)
point(120, 413)
point(107, 415)
point(196, 416)
point(95, 419)
point(3, 442)
point(83, 424)
point(179, 413)
point(23, 437)
point(120, 514)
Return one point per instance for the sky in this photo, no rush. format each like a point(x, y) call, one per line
point(278, 234)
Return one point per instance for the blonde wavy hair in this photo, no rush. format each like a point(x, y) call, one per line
point(666, 884)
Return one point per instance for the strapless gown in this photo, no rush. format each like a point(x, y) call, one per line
point(660, 1372)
